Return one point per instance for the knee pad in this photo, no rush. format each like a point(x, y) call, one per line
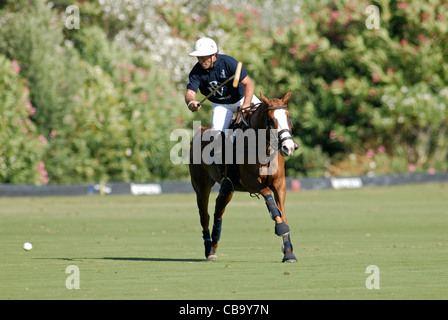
point(272, 207)
point(281, 229)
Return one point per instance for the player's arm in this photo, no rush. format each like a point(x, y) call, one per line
point(192, 104)
point(249, 91)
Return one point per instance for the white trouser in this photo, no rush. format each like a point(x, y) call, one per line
point(222, 114)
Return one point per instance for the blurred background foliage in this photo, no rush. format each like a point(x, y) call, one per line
point(98, 103)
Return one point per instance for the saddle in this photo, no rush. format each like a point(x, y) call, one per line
point(230, 172)
point(242, 118)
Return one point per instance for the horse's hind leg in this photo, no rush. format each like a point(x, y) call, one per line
point(202, 185)
point(202, 199)
point(224, 197)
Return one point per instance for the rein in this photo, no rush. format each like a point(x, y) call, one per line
point(269, 121)
point(252, 108)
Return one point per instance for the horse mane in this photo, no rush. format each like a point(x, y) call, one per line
point(244, 120)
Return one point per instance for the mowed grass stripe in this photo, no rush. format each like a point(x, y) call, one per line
point(150, 247)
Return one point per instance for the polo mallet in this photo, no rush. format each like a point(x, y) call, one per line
point(235, 78)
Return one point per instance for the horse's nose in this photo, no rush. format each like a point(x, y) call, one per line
point(285, 151)
point(287, 148)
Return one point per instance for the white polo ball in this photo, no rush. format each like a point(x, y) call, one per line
point(27, 246)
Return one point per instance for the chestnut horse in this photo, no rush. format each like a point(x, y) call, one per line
point(271, 117)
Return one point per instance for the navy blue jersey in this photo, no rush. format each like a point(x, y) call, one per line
point(208, 80)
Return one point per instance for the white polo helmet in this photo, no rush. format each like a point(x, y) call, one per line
point(204, 47)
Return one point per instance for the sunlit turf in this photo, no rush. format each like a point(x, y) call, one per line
point(150, 247)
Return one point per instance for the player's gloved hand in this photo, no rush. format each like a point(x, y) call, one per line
point(194, 106)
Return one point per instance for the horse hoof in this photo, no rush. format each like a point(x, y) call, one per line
point(212, 257)
point(289, 258)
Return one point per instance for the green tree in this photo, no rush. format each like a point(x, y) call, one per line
point(33, 37)
point(21, 147)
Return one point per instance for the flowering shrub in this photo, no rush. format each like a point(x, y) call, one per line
point(345, 76)
point(143, 29)
point(21, 147)
point(105, 115)
point(33, 37)
point(416, 119)
point(103, 100)
point(119, 127)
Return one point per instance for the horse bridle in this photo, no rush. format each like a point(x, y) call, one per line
point(270, 122)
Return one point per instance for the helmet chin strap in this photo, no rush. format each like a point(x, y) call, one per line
point(213, 62)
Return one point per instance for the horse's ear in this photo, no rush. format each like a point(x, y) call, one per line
point(265, 100)
point(286, 97)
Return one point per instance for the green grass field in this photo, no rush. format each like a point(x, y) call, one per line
point(150, 247)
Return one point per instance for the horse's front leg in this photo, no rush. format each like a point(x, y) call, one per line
point(281, 227)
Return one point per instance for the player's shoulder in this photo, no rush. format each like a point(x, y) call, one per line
point(226, 58)
point(197, 70)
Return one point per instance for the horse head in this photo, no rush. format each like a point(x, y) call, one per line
point(278, 118)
